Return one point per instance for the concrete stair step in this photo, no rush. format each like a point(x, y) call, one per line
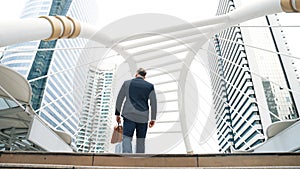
point(93, 160)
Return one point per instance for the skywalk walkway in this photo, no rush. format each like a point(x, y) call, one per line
point(91, 160)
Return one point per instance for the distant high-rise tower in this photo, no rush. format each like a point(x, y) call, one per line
point(57, 97)
point(97, 111)
point(251, 85)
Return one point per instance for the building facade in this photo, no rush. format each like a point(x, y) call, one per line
point(252, 87)
point(97, 112)
point(53, 74)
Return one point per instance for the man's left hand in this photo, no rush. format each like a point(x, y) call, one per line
point(151, 123)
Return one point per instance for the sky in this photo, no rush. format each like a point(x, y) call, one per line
point(188, 10)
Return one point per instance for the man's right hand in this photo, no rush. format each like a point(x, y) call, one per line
point(118, 119)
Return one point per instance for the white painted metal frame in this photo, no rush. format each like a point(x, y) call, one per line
point(50, 27)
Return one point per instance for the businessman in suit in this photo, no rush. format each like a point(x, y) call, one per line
point(135, 110)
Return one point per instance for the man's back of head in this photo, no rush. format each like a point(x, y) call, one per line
point(142, 72)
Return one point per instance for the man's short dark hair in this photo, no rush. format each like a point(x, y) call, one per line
point(141, 72)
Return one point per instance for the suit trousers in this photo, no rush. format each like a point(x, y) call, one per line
point(128, 130)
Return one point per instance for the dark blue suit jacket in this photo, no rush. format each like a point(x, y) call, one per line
point(136, 93)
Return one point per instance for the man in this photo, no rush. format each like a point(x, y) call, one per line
point(135, 112)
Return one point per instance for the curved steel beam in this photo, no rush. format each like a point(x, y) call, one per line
point(50, 27)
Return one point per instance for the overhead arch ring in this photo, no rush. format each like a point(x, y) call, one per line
point(56, 27)
point(66, 25)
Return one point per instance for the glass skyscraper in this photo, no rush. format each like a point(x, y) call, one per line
point(57, 97)
point(97, 111)
point(251, 85)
